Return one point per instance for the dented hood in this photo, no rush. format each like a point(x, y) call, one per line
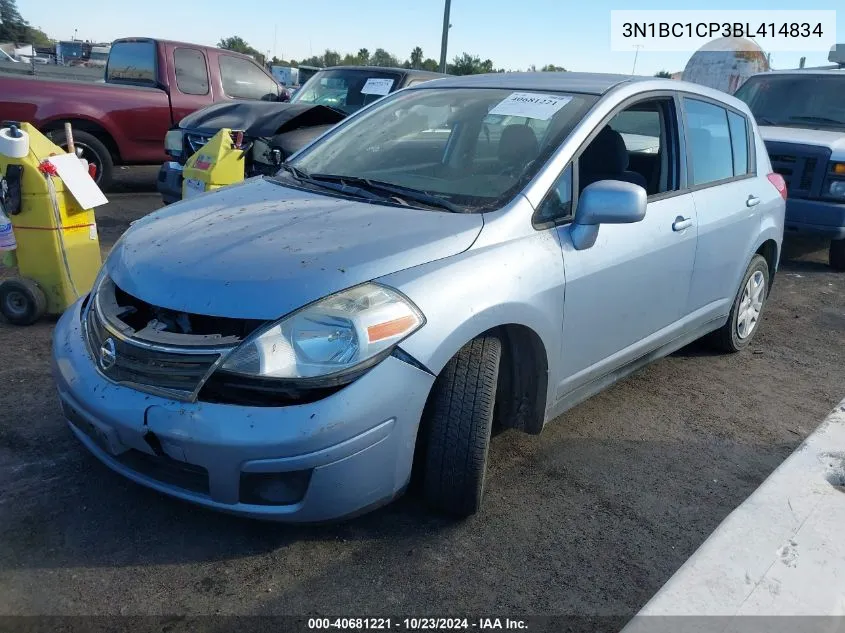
point(260, 118)
point(258, 250)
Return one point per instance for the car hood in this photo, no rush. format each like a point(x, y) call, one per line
point(258, 250)
point(259, 118)
point(835, 141)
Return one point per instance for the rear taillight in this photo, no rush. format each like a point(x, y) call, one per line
point(779, 183)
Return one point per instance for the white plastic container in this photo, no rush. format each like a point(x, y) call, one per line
point(7, 235)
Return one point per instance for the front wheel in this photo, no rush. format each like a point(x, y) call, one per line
point(458, 425)
point(837, 255)
point(747, 311)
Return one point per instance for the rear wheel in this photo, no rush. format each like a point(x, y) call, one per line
point(747, 311)
point(93, 150)
point(22, 301)
point(458, 424)
point(837, 255)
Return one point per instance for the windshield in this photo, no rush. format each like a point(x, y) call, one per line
point(347, 90)
point(811, 100)
point(473, 148)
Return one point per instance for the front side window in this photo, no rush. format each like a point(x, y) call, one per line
point(347, 90)
point(557, 205)
point(709, 139)
point(434, 141)
point(243, 79)
point(191, 74)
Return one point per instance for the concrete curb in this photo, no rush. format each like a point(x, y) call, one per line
point(782, 552)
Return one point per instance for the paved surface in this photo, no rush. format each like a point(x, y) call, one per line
point(590, 518)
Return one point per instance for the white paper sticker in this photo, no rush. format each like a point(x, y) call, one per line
point(376, 86)
point(531, 105)
point(193, 187)
point(78, 181)
point(92, 232)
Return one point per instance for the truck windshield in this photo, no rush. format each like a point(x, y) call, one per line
point(812, 100)
point(347, 90)
point(467, 149)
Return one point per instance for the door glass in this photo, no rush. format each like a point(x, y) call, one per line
point(191, 74)
point(243, 79)
point(739, 142)
point(710, 142)
point(557, 205)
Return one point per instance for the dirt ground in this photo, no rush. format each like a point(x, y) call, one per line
point(588, 519)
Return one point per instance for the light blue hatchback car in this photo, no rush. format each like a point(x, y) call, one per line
point(468, 252)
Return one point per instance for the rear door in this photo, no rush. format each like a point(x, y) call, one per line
point(188, 77)
point(727, 195)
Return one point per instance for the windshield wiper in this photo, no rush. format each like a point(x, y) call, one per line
point(340, 187)
point(403, 194)
point(763, 120)
point(817, 119)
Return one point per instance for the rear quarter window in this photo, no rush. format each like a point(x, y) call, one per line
point(191, 73)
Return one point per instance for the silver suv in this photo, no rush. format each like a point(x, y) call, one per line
point(472, 250)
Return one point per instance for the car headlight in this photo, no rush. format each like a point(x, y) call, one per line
point(173, 143)
point(329, 339)
point(836, 189)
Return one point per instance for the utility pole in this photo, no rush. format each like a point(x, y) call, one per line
point(275, 31)
point(445, 41)
point(637, 47)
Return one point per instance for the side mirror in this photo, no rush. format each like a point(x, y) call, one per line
point(606, 202)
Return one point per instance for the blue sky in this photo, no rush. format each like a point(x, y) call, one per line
point(514, 34)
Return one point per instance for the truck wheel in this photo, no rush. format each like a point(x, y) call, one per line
point(837, 255)
point(747, 311)
point(93, 151)
point(22, 302)
point(458, 424)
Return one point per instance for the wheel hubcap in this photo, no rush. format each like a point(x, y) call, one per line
point(15, 304)
point(750, 305)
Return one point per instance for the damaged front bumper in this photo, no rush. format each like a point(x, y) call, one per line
point(339, 456)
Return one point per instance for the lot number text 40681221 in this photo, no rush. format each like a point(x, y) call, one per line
point(416, 624)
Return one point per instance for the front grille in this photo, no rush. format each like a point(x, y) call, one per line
point(193, 142)
point(176, 374)
point(166, 470)
point(802, 167)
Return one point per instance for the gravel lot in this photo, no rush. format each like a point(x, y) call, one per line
point(588, 519)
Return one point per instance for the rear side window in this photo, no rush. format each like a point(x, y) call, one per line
point(191, 74)
point(709, 139)
point(739, 143)
point(243, 79)
point(132, 62)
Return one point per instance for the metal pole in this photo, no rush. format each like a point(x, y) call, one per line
point(445, 41)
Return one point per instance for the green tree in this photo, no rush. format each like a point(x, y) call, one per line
point(416, 57)
point(466, 64)
point(350, 60)
point(239, 45)
point(13, 28)
point(551, 68)
point(331, 58)
point(664, 74)
point(314, 60)
point(431, 65)
point(363, 56)
point(382, 58)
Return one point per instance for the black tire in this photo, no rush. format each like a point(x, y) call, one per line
point(728, 338)
point(458, 422)
point(837, 255)
point(22, 301)
point(93, 151)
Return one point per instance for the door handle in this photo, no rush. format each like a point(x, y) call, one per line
point(681, 223)
point(752, 201)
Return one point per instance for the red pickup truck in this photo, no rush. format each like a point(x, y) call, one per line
point(149, 86)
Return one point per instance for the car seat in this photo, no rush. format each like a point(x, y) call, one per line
point(518, 147)
point(606, 158)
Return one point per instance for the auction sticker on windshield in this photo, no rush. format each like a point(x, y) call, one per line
point(531, 105)
point(376, 86)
